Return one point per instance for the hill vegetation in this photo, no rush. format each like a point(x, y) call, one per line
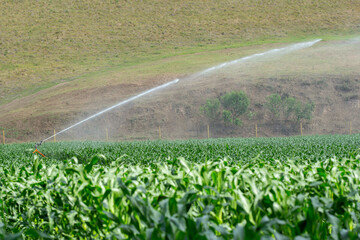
point(43, 43)
point(61, 61)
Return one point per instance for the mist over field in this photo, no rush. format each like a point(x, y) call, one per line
point(325, 73)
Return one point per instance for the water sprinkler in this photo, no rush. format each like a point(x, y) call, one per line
point(37, 151)
point(38, 144)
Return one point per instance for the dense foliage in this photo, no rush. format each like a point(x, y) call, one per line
point(233, 105)
point(289, 108)
point(283, 188)
point(237, 102)
point(211, 109)
point(311, 148)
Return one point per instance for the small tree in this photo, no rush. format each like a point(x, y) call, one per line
point(238, 122)
point(226, 115)
point(274, 104)
point(211, 108)
point(304, 111)
point(289, 107)
point(236, 102)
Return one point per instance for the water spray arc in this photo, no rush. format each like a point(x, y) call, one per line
point(115, 106)
point(283, 50)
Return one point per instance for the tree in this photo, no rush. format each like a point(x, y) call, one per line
point(227, 116)
point(289, 107)
point(238, 122)
point(236, 102)
point(304, 111)
point(211, 108)
point(274, 104)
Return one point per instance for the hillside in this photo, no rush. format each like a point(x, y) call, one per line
point(60, 58)
point(47, 42)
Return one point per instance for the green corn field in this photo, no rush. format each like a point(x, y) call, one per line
point(270, 188)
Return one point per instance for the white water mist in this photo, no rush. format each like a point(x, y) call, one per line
point(117, 105)
point(283, 50)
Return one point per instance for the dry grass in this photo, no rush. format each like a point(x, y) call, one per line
point(43, 43)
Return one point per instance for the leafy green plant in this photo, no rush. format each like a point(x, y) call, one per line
point(238, 122)
point(264, 195)
point(233, 105)
point(304, 111)
point(289, 108)
point(251, 115)
point(211, 109)
point(236, 102)
point(274, 104)
point(227, 116)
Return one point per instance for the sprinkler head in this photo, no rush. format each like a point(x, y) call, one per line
point(38, 144)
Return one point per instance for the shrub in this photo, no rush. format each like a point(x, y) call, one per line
point(238, 122)
point(274, 105)
point(231, 106)
point(236, 102)
point(211, 108)
point(227, 116)
point(289, 107)
point(304, 111)
point(251, 115)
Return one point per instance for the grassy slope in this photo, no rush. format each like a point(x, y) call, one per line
point(43, 43)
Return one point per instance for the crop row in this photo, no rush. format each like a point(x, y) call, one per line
point(311, 148)
point(179, 199)
point(283, 188)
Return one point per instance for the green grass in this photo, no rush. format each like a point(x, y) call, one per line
point(274, 188)
point(44, 43)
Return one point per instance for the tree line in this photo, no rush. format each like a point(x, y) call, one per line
point(231, 107)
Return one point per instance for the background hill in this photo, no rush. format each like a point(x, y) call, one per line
point(60, 58)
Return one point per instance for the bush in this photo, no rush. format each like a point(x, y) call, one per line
point(251, 115)
point(289, 108)
point(274, 105)
point(236, 102)
point(238, 122)
point(227, 116)
point(231, 106)
point(211, 108)
point(304, 111)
